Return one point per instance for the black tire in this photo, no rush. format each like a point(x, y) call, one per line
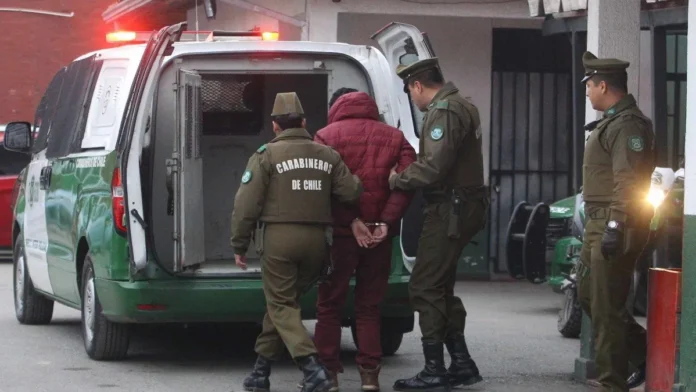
point(389, 340)
point(570, 315)
point(31, 308)
point(103, 339)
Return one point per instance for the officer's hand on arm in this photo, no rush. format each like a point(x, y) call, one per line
point(248, 204)
point(441, 144)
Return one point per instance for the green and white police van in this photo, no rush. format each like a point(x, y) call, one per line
point(137, 152)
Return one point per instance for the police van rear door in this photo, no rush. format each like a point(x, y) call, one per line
point(185, 174)
point(404, 44)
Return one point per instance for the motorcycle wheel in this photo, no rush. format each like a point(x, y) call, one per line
point(570, 315)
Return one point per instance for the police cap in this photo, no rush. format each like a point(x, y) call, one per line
point(595, 66)
point(407, 71)
point(287, 103)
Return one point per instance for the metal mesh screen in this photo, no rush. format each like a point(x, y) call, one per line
point(224, 95)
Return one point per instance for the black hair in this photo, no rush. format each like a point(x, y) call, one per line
point(340, 92)
point(432, 78)
point(615, 81)
point(288, 121)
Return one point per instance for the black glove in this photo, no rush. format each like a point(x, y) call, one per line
point(612, 241)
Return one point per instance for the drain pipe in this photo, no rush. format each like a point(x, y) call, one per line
point(32, 11)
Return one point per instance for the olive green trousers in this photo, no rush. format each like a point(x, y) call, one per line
point(431, 287)
point(603, 288)
point(292, 259)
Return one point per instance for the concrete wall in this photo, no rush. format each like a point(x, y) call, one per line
point(465, 58)
point(644, 95)
point(230, 17)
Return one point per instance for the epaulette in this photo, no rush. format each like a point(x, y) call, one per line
point(261, 149)
point(442, 104)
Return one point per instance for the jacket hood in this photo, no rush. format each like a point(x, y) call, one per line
point(354, 105)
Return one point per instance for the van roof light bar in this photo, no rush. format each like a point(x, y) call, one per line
point(132, 37)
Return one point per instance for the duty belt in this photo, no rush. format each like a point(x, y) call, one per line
point(597, 212)
point(465, 194)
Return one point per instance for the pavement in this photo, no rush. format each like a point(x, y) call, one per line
point(511, 331)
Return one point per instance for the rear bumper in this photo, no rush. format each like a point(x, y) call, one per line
point(190, 301)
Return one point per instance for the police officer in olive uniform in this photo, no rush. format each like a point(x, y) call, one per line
point(284, 202)
point(449, 172)
point(618, 163)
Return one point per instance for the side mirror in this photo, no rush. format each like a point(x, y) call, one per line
point(18, 137)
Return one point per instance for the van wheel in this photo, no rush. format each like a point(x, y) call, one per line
point(103, 339)
point(31, 307)
point(389, 339)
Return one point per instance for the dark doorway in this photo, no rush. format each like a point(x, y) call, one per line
point(531, 157)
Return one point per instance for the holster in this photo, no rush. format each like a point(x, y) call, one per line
point(259, 236)
point(453, 229)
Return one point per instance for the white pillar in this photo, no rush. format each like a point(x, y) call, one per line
point(322, 17)
point(690, 143)
point(613, 30)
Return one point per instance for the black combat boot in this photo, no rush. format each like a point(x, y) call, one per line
point(637, 378)
point(433, 377)
point(462, 370)
point(316, 377)
point(258, 381)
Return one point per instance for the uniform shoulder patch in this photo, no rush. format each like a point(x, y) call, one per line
point(444, 104)
point(636, 143)
point(261, 149)
point(437, 133)
point(246, 177)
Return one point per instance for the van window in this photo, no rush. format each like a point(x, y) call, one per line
point(107, 103)
point(43, 117)
point(68, 120)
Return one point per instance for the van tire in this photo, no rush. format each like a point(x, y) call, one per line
point(31, 308)
point(103, 339)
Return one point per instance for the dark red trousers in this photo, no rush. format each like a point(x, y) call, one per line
point(371, 268)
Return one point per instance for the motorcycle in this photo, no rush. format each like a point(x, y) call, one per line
point(544, 244)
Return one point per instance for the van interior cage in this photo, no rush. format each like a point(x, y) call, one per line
point(232, 102)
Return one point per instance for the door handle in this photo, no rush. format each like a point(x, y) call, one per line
point(45, 178)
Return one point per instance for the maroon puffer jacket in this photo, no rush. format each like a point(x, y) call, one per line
point(370, 149)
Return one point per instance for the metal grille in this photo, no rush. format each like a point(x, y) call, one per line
point(198, 121)
point(224, 95)
point(557, 229)
point(189, 121)
point(530, 146)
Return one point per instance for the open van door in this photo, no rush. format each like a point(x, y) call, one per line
point(135, 120)
point(404, 44)
point(185, 174)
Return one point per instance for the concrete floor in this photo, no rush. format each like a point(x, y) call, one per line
point(511, 331)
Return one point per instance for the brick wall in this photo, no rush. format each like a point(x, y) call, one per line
point(35, 46)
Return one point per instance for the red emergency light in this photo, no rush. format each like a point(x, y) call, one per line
point(116, 37)
point(128, 36)
point(270, 35)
